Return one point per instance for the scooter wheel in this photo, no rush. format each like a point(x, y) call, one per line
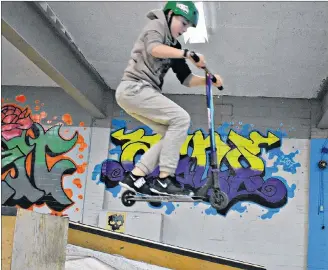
point(126, 198)
point(219, 200)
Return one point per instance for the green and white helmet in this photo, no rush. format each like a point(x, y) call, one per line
point(187, 9)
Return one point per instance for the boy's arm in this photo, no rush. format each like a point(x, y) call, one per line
point(164, 51)
point(183, 72)
point(186, 77)
point(196, 80)
point(154, 38)
point(154, 42)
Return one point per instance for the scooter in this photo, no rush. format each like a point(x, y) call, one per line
point(210, 191)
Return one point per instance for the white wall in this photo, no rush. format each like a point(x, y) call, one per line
point(277, 241)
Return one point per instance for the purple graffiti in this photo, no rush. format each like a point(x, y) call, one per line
point(242, 184)
point(111, 173)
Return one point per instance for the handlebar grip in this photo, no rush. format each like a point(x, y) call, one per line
point(194, 56)
point(214, 81)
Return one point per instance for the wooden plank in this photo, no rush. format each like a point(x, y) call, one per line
point(7, 236)
point(39, 241)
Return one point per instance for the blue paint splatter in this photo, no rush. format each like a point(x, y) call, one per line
point(239, 208)
point(211, 211)
point(148, 130)
point(224, 167)
point(224, 129)
point(169, 208)
point(115, 190)
point(244, 163)
point(269, 171)
point(270, 213)
point(96, 171)
point(289, 165)
point(118, 124)
point(116, 150)
point(245, 130)
point(190, 150)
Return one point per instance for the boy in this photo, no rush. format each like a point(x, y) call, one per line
point(139, 94)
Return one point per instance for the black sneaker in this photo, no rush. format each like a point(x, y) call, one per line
point(169, 186)
point(136, 184)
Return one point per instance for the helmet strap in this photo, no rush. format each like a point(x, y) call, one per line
point(169, 20)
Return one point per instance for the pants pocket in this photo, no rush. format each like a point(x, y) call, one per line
point(133, 89)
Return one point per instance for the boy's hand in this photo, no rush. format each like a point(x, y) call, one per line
point(219, 81)
point(200, 63)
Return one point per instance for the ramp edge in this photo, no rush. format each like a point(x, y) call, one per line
point(164, 247)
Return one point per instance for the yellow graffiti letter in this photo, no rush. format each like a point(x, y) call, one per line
point(201, 144)
point(249, 148)
point(134, 142)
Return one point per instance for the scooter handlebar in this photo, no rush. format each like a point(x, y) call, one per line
point(195, 57)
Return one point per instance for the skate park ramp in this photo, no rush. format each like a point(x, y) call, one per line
point(90, 247)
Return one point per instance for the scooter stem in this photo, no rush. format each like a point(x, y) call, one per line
point(213, 177)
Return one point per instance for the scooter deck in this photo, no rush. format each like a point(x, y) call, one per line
point(165, 198)
point(135, 196)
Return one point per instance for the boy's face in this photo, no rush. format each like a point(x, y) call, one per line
point(179, 26)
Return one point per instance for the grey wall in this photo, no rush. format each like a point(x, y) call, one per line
point(297, 117)
point(56, 102)
point(318, 109)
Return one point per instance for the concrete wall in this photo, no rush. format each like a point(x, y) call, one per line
point(63, 172)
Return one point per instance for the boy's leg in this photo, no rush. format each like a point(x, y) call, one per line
point(150, 159)
point(142, 99)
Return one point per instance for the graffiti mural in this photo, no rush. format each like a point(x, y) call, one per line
point(37, 160)
point(244, 175)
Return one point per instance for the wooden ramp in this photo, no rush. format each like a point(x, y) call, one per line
point(33, 241)
point(136, 248)
point(148, 251)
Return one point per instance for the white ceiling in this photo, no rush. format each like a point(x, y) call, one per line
point(274, 49)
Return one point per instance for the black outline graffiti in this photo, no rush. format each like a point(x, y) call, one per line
point(37, 189)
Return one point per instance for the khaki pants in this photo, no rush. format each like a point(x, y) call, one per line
point(162, 115)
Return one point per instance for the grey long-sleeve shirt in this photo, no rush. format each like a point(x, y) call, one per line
point(143, 66)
